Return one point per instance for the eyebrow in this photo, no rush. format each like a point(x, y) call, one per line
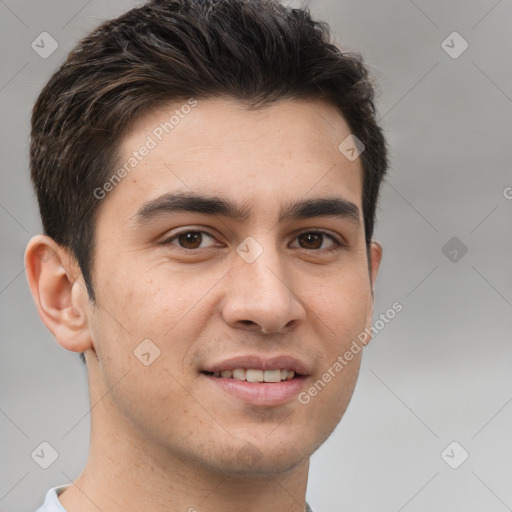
point(212, 205)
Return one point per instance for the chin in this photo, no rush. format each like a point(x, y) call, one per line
point(255, 457)
point(251, 461)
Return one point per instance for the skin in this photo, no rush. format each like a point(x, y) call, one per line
point(163, 437)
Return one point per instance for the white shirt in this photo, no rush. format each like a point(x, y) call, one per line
point(51, 502)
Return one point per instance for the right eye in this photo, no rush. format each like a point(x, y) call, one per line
point(188, 239)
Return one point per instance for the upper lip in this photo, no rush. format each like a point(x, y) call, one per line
point(258, 362)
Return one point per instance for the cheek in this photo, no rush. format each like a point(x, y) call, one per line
point(135, 313)
point(168, 308)
point(326, 400)
point(342, 304)
point(143, 301)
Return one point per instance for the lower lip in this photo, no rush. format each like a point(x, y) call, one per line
point(260, 393)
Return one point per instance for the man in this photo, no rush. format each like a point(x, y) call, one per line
point(207, 173)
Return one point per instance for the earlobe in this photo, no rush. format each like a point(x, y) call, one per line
point(59, 293)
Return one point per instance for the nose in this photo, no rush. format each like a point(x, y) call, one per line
point(260, 295)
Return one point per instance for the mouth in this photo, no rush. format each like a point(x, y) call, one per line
point(255, 375)
point(259, 381)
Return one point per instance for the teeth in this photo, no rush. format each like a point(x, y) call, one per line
point(253, 375)
point(272, 375)
point(239, 374)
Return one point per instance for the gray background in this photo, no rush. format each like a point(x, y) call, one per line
point(441, 371)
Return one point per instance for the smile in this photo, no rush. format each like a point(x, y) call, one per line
point(265, 381)
point(255, 375)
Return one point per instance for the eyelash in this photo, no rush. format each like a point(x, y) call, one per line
point(338, 245)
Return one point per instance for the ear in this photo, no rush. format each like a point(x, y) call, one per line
point(376, 257)
point(59, 292)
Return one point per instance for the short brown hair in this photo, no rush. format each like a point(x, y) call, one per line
point(256, 51)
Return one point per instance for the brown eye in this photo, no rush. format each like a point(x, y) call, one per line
point(314, 239)
point(189, 240)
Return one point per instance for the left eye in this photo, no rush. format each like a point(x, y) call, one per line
point(315, 239)
point(191, 240)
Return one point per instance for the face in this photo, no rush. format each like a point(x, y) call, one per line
point(197, 302)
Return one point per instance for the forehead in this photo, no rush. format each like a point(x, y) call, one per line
point(219, 147)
